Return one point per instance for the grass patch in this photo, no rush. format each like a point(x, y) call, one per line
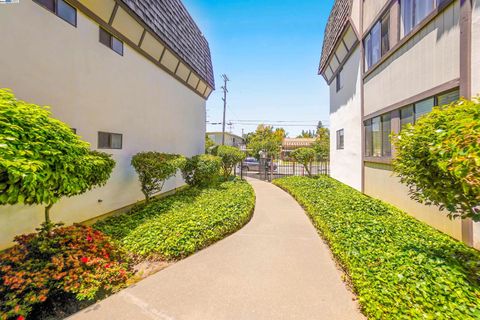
point(179, 225)
point(399, 267)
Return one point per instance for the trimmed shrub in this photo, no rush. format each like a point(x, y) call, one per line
point(305, 156)
point(202, 170)
point(74, 260)
point(154, 169)
point(179, 225)
point(230, 156)
point(438, 158)
point(41, 159)
point(399, 267)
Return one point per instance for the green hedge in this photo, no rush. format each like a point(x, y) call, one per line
point(399, 267)
point(179, 225)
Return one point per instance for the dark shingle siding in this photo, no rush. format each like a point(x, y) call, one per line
point(342, 9)
point(172, 23)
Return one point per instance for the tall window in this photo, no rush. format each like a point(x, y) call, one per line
point(339, 83)
point(61, 9)
point(377, 136)
point(372, 44)
point(413, 12)
point(340, 139)
point(385, 34)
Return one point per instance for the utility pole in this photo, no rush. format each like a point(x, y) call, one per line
point(225, 91)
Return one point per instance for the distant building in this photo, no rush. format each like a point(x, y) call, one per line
point(290, 144)
point(230, 139)
point(387, 63)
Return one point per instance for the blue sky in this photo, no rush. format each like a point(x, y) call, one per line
point(270, 50)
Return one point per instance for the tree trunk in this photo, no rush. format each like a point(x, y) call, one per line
point(47, 213)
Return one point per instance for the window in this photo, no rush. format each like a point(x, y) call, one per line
point(107, 140)
point(61, 9)
point(372, 46)
point(448, 97)
point(340, 139)
point(407, 115)
point(423, 107)
point(413, 12)
point(339, 80)
point(377, 136)
point(385, 34)
point(110, 41)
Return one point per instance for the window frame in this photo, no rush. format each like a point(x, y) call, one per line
point(111, 38)
point(338, 80)
point(110, 144)
point(55, 10)
point(340, 139)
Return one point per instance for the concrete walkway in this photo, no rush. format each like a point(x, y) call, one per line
point(276, 267)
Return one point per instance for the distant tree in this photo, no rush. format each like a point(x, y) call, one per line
point(305, 156)
point(209, 144)
point(438, 158)
point(154, 169)
point(41, 159)
point(230, 157)
point(307, 134)
point(265, 139)
point(322, 142)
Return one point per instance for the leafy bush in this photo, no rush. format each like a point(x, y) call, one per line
point(202, 170)
point(154, 169)
point(75, 260)
point(41, 159)
point(209, 144)
point(230, 156)
point(305, 156)
point(438, 158)
point(181, 224)
point(400, 267)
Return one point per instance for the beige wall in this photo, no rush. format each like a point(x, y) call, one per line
point(345, 113)
point(476, 48)
point(382, 184)
point(371, 8)
point(429, 59)
point(356, 11)
point(93, 89)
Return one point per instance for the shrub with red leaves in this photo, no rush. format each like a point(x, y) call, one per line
point(76, 260)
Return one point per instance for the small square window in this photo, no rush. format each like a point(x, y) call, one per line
point(117, 46)
point(107, 140)
point(110, 41)
point(67, 12)
point(105, 37)
point(340, 139)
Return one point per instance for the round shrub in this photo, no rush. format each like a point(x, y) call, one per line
point(202, 170)
point(74, 260)
point(438, 158)
point(230, 156)
point(154, 169)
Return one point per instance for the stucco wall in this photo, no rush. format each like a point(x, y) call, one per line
point(345, 113)
point(371, 8)
point(382, 184)
point(49, 62)
point(429, 59)
point(476, 48)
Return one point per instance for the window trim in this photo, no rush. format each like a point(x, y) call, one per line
point(110, 134)
point(340, 146)
point(55, 11)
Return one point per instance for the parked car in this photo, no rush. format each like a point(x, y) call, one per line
point(252, 164)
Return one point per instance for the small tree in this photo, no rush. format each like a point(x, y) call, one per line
point(202, 170)
point(154, 169)
point(322, 142)
point(209, 144)
point(265, 139)
point(438, 158)
point(305, 156)
point(230, 156)
point(41, 159)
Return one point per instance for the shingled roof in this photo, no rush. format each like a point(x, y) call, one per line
point(342, 9)
point(170, 20)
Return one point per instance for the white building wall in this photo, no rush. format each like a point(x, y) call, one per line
point(92, 88)
point(429, 59)
point(345, 113)
point(476, 83)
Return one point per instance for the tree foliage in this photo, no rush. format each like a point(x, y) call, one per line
point(209, 144)
point(230, 156)
point(202, 170)
point(154, 169)
point(41, 159)
point(265, 139)
point(307, 134)
point(438, 158)
point(305, 156)
point(322, 143)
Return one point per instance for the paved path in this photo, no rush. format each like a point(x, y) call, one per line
point(275, 268)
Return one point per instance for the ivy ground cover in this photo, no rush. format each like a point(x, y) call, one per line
point(179, 225)
point(399, 267)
